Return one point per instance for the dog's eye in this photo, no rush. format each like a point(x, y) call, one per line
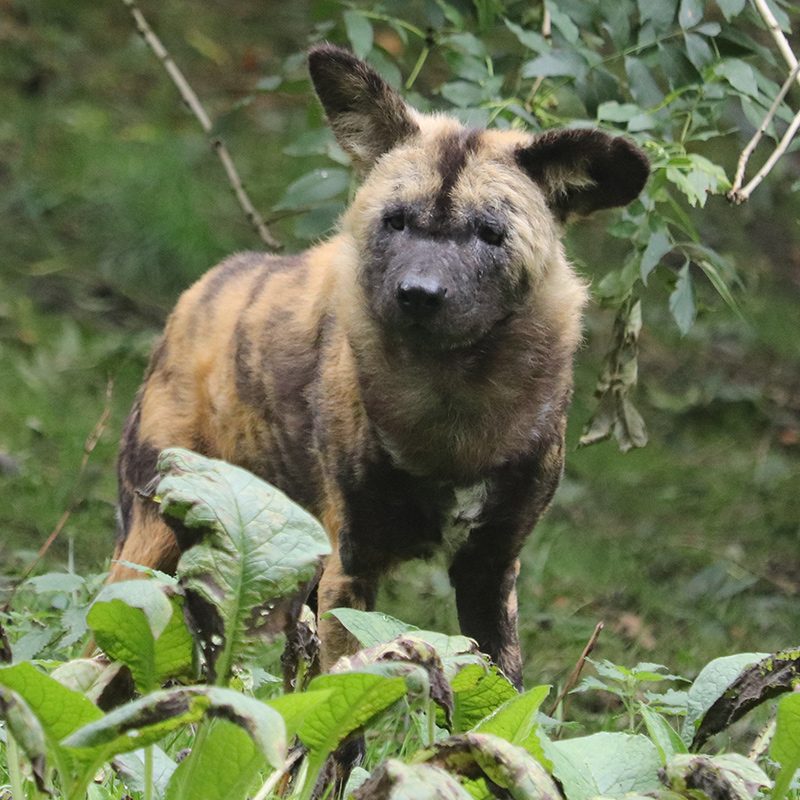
point(491, 233)
point(396, 220)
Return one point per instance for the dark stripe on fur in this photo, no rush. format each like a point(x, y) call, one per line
point(453, 153)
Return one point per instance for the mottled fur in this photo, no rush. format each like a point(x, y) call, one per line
point(422, 352)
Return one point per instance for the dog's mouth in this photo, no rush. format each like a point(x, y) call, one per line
point(418, 337)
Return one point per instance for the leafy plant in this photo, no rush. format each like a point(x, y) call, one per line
point(472, 734)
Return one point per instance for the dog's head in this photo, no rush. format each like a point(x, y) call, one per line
point(458, 229)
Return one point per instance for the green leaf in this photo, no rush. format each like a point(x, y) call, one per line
point(690, 13)
point(359, 32)
point(642, 84)
point(463, 94)
point(370, 627)
point(785, 746)
point(223, 768)
point(355, 699)
point(659, 13)
point(562, 23)
point(60, 710)
point(712, 682)
point(126, 618)
point(515, 721)
point(530, 39)
point(21, 723)
point(681, 301)
point(410, 657)
point(259, 547)
point(505, 765)
point(130, 767)
point(739, 74)
point(662, 734)
point(698, 51)
point(731, 8)
point(295, 707)
point(56, 582)
point(607, 764)
point(477, 692)
point(87, 676)
point(555, 63)
point(141, 624)
point(314, 187)
point(143, 722)
point(393, 780)
point(718, 282)
point(733, 776)
point(658, 245)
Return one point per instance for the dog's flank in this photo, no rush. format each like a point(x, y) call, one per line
point(408, 378)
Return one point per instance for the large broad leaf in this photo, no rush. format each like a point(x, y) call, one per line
point(607, 764)
point(478, 690)
point(411, 658)
point(785, 747)
point(96, 678)
point(60, 710)
point(370, 627)
point(515, 721)
point(141, 624)
point(477, 755)
point(730, 775)
point(142, 722)
point(223, 768)
point(131, 768)
point(355, 698)
point(710, 685)
point(259, 548)
point(21, 723)
point(394, 780)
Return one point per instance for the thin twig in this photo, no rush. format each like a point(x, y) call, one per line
point(88, 448)
point(547, 33)
point(761, 744)
point(782, 147)
point(737, 194)
point(195, 106)
point(275, 778)
point(777, 34)
point(572, 680)
point(762, 129)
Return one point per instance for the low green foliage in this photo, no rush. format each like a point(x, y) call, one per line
point(479, 738)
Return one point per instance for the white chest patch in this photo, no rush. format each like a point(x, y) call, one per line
point(464, 515)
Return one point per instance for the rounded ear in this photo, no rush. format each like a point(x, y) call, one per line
point(582, 170)
point(366, 115)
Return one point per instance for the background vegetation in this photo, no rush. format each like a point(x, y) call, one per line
point(112, 203)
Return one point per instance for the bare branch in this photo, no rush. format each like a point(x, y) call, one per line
point(735, 191)
point(738, 194)
point(783, 146)
point(195, 106)
point(777, 34)
point(572, 680)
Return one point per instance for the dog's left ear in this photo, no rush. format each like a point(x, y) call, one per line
point(366, 115)
point(582, 170)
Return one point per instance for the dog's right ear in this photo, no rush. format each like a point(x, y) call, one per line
point(366, 115)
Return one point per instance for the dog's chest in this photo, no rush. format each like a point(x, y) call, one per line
point(463, 515)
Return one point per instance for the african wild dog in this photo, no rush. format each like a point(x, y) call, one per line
point(407, 380)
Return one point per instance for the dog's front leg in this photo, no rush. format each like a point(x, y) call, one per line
point(486, 599)
point(484, 571)
point(339, 589)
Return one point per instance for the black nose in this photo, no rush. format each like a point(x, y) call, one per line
point(420, 296)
